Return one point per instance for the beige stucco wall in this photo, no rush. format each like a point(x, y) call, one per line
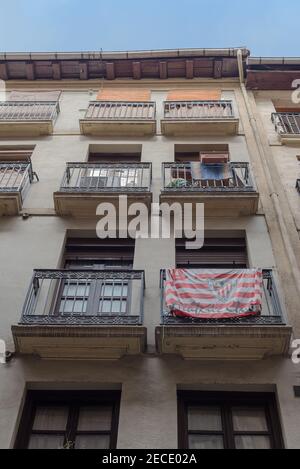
point(148, 414)
point(148, 417)
point(284, 156)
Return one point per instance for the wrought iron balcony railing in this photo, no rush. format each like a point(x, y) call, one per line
point(287, 123)
point(120, 110)
point(272, 312)
point(107, 177)
point(180, 177)
point(28, 110)
point(15, 177)
point(198, 110)
point(85, 297)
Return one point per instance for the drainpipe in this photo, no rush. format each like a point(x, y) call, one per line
point(267, 172)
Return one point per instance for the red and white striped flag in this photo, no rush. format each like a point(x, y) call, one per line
point(213, 293)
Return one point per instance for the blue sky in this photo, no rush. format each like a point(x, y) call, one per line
point(267, 27)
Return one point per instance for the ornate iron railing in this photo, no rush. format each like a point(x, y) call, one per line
point(28, 110)
point(85, 297)
point(109, 177)
point(180, 177)
point(272, 311)
point(15, 177)
point(120, 110)
point(195, 110)
point(286, 122)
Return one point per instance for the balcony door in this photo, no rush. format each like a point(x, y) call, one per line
point(94, 178)
point(115, 170)
point(108, 296)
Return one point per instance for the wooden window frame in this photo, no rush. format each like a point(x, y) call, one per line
point(226, 401)
point(73, 400)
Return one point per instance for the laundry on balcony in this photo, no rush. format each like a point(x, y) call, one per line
point(211, 171)
point(178, 183)
point(213, 293)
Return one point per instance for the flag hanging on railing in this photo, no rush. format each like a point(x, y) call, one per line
point(213, 293)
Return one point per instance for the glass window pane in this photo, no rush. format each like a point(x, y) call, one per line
point(252, 442)
point(50, 418)
point(66, 306)
point(105, 306)
point(80, 306)
point(204, 418)
point(116, 181)
point(206, 442)
point(73, 306)
point(123, 306)
point(73, 289)
point(116, 306)
point(107, 289)
point(112, 306)
point(249, 419)
point(92, 442)
point(46, 442)
point(95, 173)
point(83, 290)
point(94, 418)
point(117, 291)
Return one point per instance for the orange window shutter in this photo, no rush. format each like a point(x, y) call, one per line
point(287, 109)
point(133, 95)
point(214, 157)
point(194, 95)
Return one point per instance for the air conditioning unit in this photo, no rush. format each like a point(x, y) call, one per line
point(214, 158)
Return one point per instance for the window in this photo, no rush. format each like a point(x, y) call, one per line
point(108, 297)
point(69, 420)
point(111, 176)
point(202, 166)
point(228, 421)
point(217, 153)
point(108, 167)
point(289, 119)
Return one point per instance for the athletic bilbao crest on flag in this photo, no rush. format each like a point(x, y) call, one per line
point(222, 288)
point(213, 293)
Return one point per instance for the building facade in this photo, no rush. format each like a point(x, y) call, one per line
point(93, 358)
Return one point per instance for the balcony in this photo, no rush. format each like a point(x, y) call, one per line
point(228, 191)
point(194, 118)
point(15, 179)
point(82, 314)
point(85, 185)
point(287, 125)
point(119, 118)
point(248, 338)
point(27, 119)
